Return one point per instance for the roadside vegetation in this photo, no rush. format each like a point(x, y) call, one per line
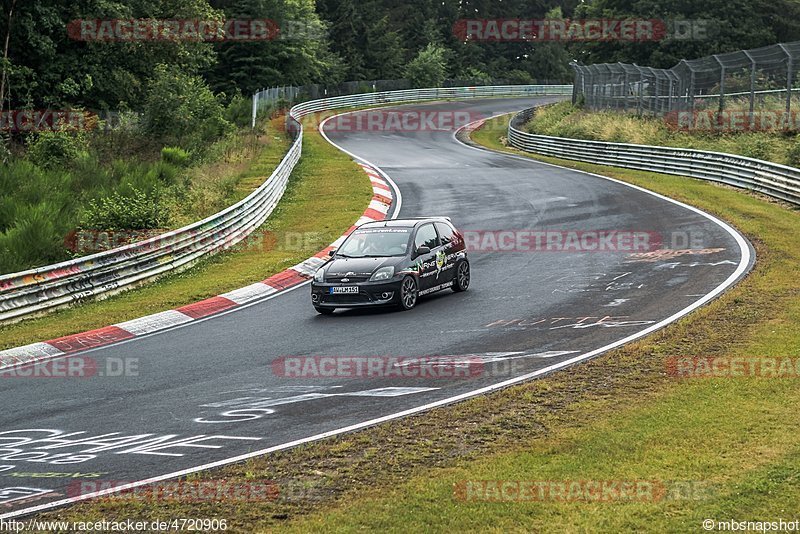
point(565, 120)
point(180, 160)
point(728, 443)
point(326, 183)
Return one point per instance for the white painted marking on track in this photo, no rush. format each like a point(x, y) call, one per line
point(27, 353)
point(154, 322)
point(248, 293)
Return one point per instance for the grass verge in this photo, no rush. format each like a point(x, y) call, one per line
point(619, 417)
point(565, 120)
point(326, 193)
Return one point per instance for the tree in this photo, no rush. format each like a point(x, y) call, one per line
point(181, 110)
point(428, 69)
point(731, 25)
point(50, 68)
point(299, 55)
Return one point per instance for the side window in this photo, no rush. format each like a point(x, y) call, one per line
point(445, 233)
point(426, 237)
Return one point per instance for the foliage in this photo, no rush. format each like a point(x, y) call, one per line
point(56, 148)
point(175, 156)
point(52, 69)
point(182, 110)
point(429, 68)
point(138, 210)
point(565, 120)
point(239, 111)
point(793, 154)
point(298, 56)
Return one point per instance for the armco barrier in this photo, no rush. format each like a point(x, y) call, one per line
point(773, 179)
point(105, 273)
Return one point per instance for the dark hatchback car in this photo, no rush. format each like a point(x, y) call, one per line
point(392, 263)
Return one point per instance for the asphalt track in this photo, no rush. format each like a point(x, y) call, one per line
point(207, 393)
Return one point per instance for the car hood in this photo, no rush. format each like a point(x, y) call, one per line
point(358, 266)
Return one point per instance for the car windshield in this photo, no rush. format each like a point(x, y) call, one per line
point(376, 242)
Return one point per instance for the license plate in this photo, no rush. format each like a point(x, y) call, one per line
point(344, 289)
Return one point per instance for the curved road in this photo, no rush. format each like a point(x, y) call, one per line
point(208, 392)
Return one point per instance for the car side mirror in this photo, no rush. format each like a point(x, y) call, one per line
point(423, 250)
point(332, 252)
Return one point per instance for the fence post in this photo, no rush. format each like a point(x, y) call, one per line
point(654, 108)
point(752, 89)
point(641, 90)
point(255, 109)
point(789, 68)
point(721, 86)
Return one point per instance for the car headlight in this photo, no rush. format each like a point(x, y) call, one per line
point(384, 273)
point(319, 276)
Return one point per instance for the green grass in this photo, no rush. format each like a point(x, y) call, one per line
point(618, 417)
point(565, 120)
point(327, 192)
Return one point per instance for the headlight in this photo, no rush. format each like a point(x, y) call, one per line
point(319, 276)
point(384, 273)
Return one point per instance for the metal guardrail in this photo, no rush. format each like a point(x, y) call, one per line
point(773, 179)
point(37, 290)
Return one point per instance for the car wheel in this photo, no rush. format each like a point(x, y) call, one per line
point(324, 311)
point(408, 293)
point(461, 282)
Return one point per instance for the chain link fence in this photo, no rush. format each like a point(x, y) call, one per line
point(747, 80)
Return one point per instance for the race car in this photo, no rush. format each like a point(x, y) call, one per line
point(392, 263)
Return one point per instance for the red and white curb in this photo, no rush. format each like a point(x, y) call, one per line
point(377, 210)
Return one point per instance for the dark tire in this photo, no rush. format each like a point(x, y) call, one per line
point(324, 311)
point(461, 282)
point(409, 293)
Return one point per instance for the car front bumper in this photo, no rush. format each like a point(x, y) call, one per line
point(369, 294)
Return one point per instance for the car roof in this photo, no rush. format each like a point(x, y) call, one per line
point(407, 222)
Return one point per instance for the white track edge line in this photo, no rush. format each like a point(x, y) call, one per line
point(742, 267)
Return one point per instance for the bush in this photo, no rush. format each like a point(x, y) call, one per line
point(181, 110)
point(756, 146)
point(59, 148)
point(175, 156)
point(520, 77)
point(793, 154)
point(136, 211)
point(428, 69)
point(33, 240)
point(239, 111)
point(474, 76)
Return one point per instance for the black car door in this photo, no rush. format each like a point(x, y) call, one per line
point(426, 263)
point(449, 247)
